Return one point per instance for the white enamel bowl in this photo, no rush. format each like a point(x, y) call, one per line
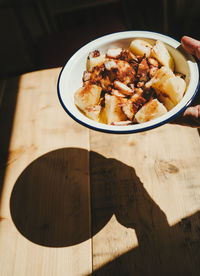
point(70, 79)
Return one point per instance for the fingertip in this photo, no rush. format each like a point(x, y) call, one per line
point(191, 45)
point(187, 41)
point(185, 37)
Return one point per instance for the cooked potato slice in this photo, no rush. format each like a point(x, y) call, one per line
point(93, 61)
point(167, 85)
point(140, 47)
point(160, 52)
point(149, 111)
point(174, 87)
point(112, 111)
point(161, 75)
point(166, 101)
point(93, 112)
point(87, 96)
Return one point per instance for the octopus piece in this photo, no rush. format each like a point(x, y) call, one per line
point(152, 61)
point(114, 53)
point(122, 54)
point(128, 56)
point(139, 91)
point(96, 75)
point(134, 64)
point(132, 86)
point(152, 71)
point(99, 77)
point(123, 88)
point(153, 66)
point(140, 84)
point(143, 71)
point(120, 70)
point(86, 76)
point(128, 109)
point(93, 54)
point(132, 105)
point(117, 93)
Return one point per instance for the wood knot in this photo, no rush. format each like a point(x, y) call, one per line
point(162, 167)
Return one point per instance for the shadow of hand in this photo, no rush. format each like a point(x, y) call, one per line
point(50, 206)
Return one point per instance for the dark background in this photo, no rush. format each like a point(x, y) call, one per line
point(37, 34)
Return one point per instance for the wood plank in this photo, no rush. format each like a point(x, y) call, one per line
point(45, 200)
point(145, 202)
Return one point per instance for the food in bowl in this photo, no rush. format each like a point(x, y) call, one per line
point(130, 86)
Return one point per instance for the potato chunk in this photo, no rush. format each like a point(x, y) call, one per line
point(159, 78)
point(93, 61)
point(140, 47)
point(93, 112)
point(160, 52)
point(174, 87)
point(166, 101)
point(112, 111)
point(149, 111)
point(167, 85)
point(87, 96)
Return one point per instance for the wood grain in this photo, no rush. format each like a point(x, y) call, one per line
point(147, 188)
point(45, 200)
point(79, 202)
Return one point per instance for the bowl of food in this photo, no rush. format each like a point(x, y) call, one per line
point(128, 82)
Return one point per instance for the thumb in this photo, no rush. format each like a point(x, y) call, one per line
point(191, 45)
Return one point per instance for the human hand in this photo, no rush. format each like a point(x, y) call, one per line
point(191, 116)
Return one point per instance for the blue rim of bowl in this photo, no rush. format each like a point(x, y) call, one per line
point(131, 130)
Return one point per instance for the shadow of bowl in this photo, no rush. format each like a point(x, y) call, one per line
point(50, 202)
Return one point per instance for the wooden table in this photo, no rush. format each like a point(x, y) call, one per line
point(75, 201)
